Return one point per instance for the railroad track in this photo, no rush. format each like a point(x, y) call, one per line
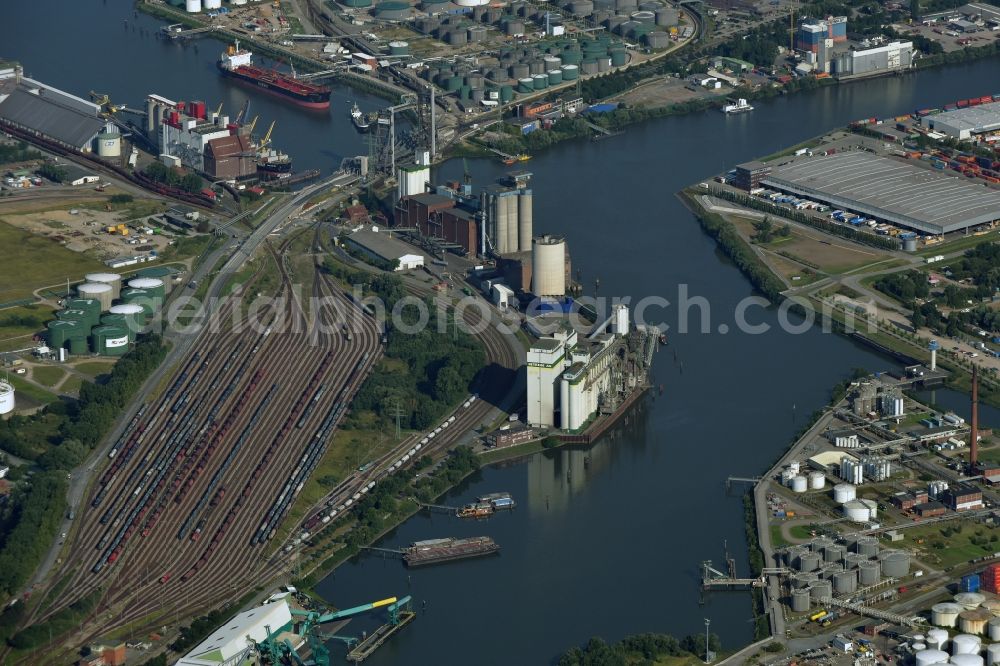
point(179, 511)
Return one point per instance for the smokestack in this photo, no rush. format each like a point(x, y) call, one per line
point(974, 442)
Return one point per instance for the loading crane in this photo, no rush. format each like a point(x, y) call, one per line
point(253, 123)
point(267, 137)
point(242, 115)
point(107, 108)
point(308, 623)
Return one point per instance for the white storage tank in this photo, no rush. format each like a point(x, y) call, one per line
point(192, 6)
point(112, 279)
point(965, 644)
point(856, 511)
point(992, 654)
point(800, 484)
point(211, 4)
point(928, 657)
point(992, 605)
point(844, 492)
point(97, 291)
point(969, 600)
point(794, 466)
point(109, 144)
point(974, 621)
point(993, 629)
point(945, 615)
point(817, 480)
point(967, 660)
point(936, 639)
point(6, 398)
point(918, 647)
point(872, 507)
point(786, 477)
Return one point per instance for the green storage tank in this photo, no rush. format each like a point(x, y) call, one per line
point(465, 92)
point(525, 85)
point(540, 81)
point(140, 297)
point(91, 306)
point(60, 330)
point(619, 58)
point(454, 84)
point(76, 315)
point(555, 77)
point(570, 72)
point(506, 93)
point(357, 4)
point(571, 57)
point(155, 286)
point(120, 321)
point(399, 48)
point(78, 346)
point(109, 340)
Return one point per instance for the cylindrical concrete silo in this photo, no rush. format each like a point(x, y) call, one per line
point(524, 221)
point(548, 266)
point(6, 398)
point(192, 6)
point(800, 601)
point(112, 279)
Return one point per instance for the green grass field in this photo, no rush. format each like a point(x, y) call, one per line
point(28, 262)
point(947, 550)
point(25, 389)
point(49, 375)
point(72, 385)
point(94, 368)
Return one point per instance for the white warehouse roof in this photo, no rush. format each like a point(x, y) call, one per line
point(974, 120)
point(228, 644)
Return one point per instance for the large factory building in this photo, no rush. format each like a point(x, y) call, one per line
point(184, 130)
point(48, 113)
point(888, 190)
point(966, 123)
point(825, 48)
point(568, 377)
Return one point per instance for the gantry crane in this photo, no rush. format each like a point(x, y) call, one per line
point(307, 623)
point(107, 108)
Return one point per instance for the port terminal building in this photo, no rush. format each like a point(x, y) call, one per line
point(963, 124)
point(229, 645)
point(382, 247)
point(48, 113)
point(889, 190)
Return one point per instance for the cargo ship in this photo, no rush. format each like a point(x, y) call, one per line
point(273, 163)
point(436, 551)
point(475, 510)
point(739, 106)
point(360, 120)
point(238, 64)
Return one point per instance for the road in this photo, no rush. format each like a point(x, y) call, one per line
point(82, 478)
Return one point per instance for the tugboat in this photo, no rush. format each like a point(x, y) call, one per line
point(740, 106)
point(478, 510)
point(361, 122)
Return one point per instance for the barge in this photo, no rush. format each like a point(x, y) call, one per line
point(436, 551)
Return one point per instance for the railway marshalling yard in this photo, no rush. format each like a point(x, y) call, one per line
point(194, 502)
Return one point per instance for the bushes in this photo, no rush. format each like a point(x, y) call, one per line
point(736, 249)
point(30, 523)
point(638, 649)
point(19, 152)
point(63, 621)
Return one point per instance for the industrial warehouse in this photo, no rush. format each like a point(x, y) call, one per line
point(889, 190)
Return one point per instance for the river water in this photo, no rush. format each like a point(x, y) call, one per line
point(606, 541)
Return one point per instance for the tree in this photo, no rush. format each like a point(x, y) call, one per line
point(915, 10)
point(52, 172)
point(765, 230)
point(191, 182)
point(203, 226)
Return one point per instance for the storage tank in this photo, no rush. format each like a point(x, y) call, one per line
point(853, 560)
point(192, 6)
point(820, 544)
point(965, 644)
point(867, 546)
point(506, 93)
point(895, 563)
point(123, 322)
point(391, 10)
point(643, 17)
point(966, 660)
point(834, 553)
point(98, 291)
point(821, 589)
point(541, 81)
point(945, 614)
point(993, 629)
point(109, 340)
point(843, 493)
point(132, 311)
point(514, 27)
point(969, 600)
point(992, 654)
point(78, 342)
point(581, 8)
point(845, 582)
point(588, 66)
point(800, 484)
point(519, 71)
point(457, 37)
point(570, 72)
point(548, 266)
point(153, 286)
point(657, 39)
point(856, 511)
point(60, 330)
point(618, 58)
point(974, 621)
point(211, 4)
point(477, 34)
point(525, 85)
point(6, 398)
point(667, 16)
point(817, 480)
point(109, 145)
point(928, 657)
point(872, 507)
point(809, 561)
point(800, 601)
point(113, 279)
point(909, 245)
point(140, 297)
point(399, 48)
point(89, 305)
point(869, 572)
point(555, 77)
point(552, 62)
point(936, 639)
point(917, 647)
point(992, 605)
point(525, 220)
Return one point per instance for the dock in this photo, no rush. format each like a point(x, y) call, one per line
point(177, 31)
point(373, 641)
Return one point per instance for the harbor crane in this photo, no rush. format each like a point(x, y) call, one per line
point(267, 137)
point(104, 101)
point(276, 650)
point(242, 115)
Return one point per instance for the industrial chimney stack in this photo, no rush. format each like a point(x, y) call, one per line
point(974, 441)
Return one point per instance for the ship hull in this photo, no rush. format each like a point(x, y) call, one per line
point(318, 101)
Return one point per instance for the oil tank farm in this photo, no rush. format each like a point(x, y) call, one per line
point(98, 291)
point(112, 279)
point(6, 398)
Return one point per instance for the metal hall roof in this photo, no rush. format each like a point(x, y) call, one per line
point(47, 116)
point(891, 190)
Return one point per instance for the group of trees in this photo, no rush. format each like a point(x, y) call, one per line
point(735, 248)
point(17, 152)
point(640, 648)
point(161, 173)
point(765, 231)
point(56, 174)
point(904, 286)
point(438, 366)
point(29, 522)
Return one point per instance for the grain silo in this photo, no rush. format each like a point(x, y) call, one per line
point(548, 266)
point(112, 279)
point(109, 145)
point(525, 224)
point(99, 291)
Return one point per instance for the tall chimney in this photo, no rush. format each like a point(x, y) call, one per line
point(974, 441)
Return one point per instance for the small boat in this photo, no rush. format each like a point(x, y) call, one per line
point(478, 510)
point(509, 160)
point(523, 157)
point(740, 106)
point(359, 119)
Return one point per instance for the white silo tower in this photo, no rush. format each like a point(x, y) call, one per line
point(192, 6)
point(212, 4)
point(548, 266)
point(6, 398)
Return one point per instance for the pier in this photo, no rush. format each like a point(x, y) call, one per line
point(177, 31)
point(394, 552)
